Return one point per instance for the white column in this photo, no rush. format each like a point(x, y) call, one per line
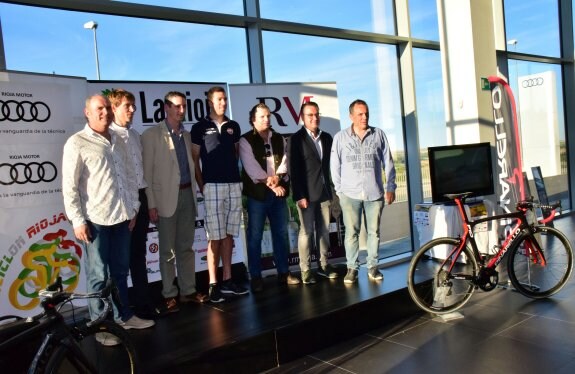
point(467, 38)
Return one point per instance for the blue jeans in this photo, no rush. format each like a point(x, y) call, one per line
point(275, 209)
point(353, 210)
point(108, 256)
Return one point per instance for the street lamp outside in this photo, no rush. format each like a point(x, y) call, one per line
point(93, 26)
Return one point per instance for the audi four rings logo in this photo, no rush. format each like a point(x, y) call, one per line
point(532, 82)
point(27, 111)
point(33, 172)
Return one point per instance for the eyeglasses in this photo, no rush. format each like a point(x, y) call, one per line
point(268, 150)
point(311, 115)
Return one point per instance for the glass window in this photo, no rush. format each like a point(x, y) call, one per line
point(430, 108)
point(221, 6)
point(534, 26)
point(128, 48)
point(363, 15)
point(423, 19)
point(362, 71)
point(539, 98)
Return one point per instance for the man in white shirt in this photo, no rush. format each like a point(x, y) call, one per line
point(101, 201)
point(124, 108)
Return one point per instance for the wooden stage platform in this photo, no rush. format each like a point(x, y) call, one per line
point(256, 332)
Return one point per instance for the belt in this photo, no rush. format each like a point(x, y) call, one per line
point(185, 185)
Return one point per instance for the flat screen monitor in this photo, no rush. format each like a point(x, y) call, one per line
point(460, 168)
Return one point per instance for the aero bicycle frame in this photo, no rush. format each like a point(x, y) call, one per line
point(520, 225)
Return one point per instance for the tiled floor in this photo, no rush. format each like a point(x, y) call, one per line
point(500, 332)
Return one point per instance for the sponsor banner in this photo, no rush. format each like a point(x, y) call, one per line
point(150, 110)
point(284, 101)
point(30, 174)
point(40, 109)
point(540, 138)
point(150, 99)
point(34, 113)
point(38, 113)
point(38, 245)
point(509, 184)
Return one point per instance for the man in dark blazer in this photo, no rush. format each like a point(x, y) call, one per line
point(308, 162)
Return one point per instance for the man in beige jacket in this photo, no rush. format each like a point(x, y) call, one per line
point(171, 192)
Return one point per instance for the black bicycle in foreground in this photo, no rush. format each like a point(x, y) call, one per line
point(51, 343)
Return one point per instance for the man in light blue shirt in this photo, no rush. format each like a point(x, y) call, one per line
point(359, 154)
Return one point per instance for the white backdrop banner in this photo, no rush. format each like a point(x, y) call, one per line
point(284, 101)
point(39, 112)
point(150, 110)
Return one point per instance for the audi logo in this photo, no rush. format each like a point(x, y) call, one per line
point(26, 111)
point(532, 82)
point(33, 172)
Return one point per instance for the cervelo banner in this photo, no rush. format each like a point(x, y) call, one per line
point(510, 188)
point(39, 112)
point(284, 101)
point(150, 110)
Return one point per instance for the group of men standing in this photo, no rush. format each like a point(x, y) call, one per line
point(115, 182)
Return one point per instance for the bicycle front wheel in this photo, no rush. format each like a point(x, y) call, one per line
point(94, 355)
point(438, 284)
point(538, 276)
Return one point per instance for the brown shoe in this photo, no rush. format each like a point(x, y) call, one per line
point(196, 297)
point(171, 305)
point(288, 278)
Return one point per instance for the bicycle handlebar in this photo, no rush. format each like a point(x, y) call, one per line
point(54, 297)
point(522, 205)
point(529, 204)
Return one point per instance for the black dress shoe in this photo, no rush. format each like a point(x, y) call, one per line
point(257, 284)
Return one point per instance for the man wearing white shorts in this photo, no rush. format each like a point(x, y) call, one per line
point(215, 141)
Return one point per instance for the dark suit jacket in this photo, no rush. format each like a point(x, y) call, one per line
point(307, 171)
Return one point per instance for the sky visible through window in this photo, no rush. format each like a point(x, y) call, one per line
point(54, 41)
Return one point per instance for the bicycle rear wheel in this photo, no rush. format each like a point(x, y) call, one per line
point(432, 286)
point(529, 274)
point(120, 358)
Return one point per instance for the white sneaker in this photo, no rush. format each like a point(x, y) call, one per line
point(107, 339)
point(137, 323)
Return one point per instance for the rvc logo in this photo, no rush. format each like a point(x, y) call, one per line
point(275, 105)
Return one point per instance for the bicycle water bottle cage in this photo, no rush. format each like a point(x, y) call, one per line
point(487, 279)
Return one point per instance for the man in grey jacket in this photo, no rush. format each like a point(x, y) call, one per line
point(359, 154)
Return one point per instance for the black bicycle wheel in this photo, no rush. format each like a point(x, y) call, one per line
point(432, 286)
point(120, 358)
point(532, 276)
